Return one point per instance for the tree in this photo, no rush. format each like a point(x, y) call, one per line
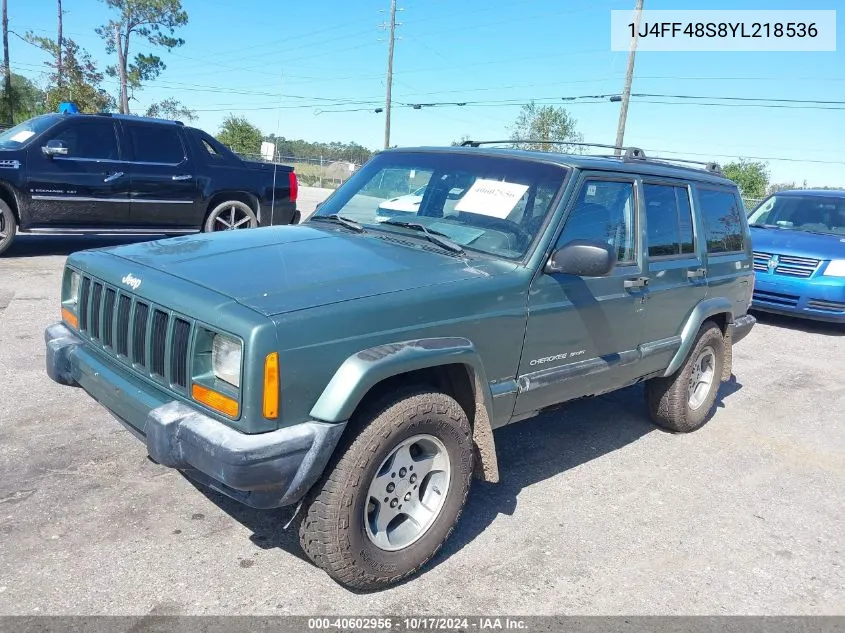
point(74, 77)
point(751, 177)
point(239, 135)
point(27, 99)
point(542, 124)
point(152, 20)
point(173, 109)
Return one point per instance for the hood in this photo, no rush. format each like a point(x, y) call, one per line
point(281, 269)
point(798, 243)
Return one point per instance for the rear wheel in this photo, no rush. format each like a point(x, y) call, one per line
point(8, 226)
point(389, 502)
point(230, 216)
point(683, 401)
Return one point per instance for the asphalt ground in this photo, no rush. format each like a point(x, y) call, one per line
point(597, 512)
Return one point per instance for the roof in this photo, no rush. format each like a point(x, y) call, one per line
point(114, 115)
point(650, 166)
point(824, 193)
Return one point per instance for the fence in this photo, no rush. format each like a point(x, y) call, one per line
point(751, 204)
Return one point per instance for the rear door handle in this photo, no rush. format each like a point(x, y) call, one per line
point(639, 282)
point(697, 273)
point(113, 176)
point(182, 177)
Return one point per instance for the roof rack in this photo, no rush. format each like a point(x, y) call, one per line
point(630, 153)
point(139, 117)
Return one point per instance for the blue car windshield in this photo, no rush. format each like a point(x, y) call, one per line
point(495, 205)
point(813, 214)
point(19, 135)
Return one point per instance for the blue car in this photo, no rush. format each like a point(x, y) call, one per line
point(799, 254)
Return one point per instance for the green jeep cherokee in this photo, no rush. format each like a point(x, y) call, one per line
point(359, 362)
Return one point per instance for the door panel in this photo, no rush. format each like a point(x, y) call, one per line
point(164, 187)
point(88, 186)
point(677, 276)
point(583, 333)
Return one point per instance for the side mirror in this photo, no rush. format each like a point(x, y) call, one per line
point(583, 258)
point(54, 147)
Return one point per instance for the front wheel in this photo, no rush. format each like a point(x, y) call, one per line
point(389, 502)
point(229, 216)
point(683, 401)
point(8, 226)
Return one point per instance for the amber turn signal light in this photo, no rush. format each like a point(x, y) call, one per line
point(216, 401)
point(271, 386)
point(70, 318)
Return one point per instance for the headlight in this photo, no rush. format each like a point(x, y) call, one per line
point(836, 268)
point(226, 359)
point(73, 289)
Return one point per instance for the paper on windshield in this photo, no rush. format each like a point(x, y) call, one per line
point(23, 135)
point(491, 197)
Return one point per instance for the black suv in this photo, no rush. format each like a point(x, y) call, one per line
point(121, 173)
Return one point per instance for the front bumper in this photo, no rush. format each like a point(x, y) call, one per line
point(264, 470)
point(817, 298)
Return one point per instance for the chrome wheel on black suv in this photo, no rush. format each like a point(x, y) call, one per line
point(396, 492)
point(230, 216)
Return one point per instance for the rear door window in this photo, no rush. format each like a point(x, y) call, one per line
point(156, 143)
point(669, 220)
point(722, 212)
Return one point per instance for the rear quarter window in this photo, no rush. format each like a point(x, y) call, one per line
point(722, 216)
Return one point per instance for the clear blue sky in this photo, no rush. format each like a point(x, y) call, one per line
point(274, 61)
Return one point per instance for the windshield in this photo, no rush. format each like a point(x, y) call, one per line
point(18, 136)
point(814, 214)
point(493, 205)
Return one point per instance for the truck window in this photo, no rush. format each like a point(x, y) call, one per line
point(90, 139)
point(669, 220)
point(722, 212)
point(604, 213)
point(156, 143)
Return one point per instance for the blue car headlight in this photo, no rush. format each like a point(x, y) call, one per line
point(835, 268)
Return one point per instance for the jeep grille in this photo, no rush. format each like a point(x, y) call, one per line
point(151, 339)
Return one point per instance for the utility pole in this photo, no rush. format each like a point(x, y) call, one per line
point(629, 77)
point(59, 42)
point(389, 73)
point(7, 69)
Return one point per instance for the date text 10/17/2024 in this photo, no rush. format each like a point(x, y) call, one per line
point(419, 624)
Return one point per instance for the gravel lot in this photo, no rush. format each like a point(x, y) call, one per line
point(597, 512)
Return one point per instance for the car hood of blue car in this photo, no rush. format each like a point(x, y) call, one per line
point(798, 243)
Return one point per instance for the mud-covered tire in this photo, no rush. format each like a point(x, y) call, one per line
point(8, 226)
point(230, 215)
point(333, 530)
point(670, 401)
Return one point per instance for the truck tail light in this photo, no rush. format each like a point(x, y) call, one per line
point(293, 183)
point(271, 386)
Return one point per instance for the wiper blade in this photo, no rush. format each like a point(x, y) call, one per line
point(441, 239)
point(339, 219)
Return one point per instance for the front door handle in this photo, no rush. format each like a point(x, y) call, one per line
point(181, 177)
point(639, 282)
point(113, 176)
point(697, 273)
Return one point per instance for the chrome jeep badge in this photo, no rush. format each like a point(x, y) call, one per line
point(132, 282)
